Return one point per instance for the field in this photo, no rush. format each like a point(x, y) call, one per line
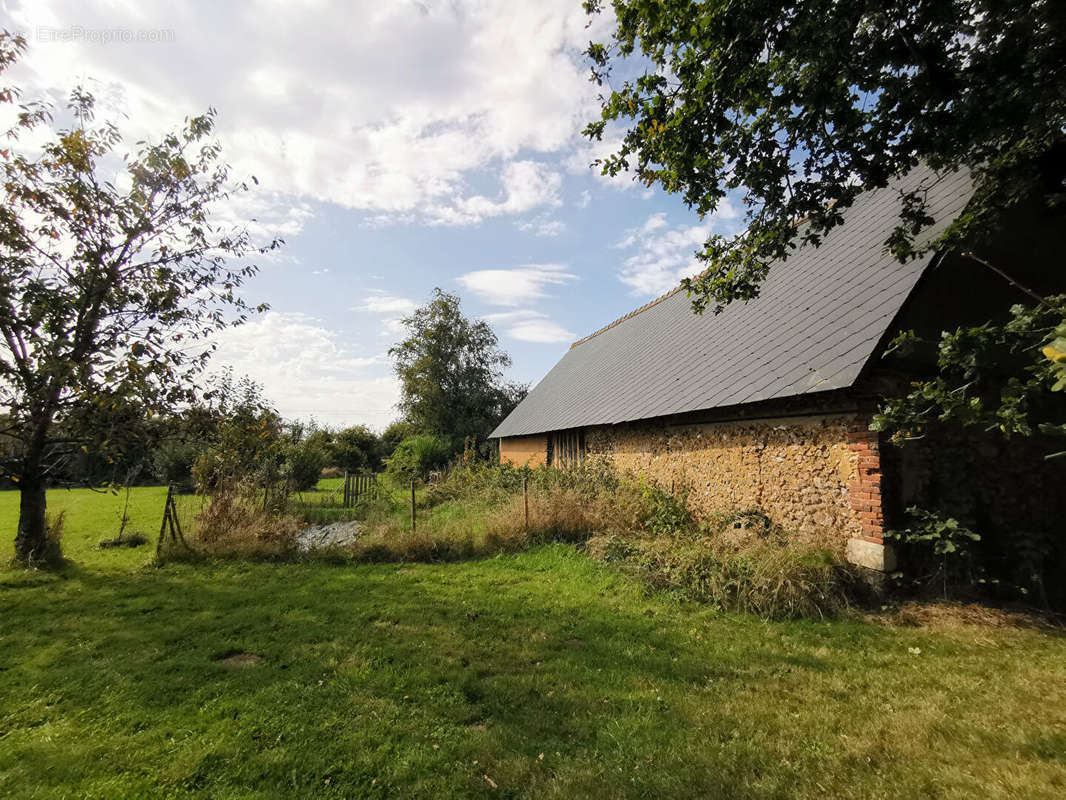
point(542, 674)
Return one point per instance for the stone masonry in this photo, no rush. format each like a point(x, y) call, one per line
point(818, 476)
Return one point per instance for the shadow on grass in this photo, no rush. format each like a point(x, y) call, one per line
point(142, 648)
point(545, 672)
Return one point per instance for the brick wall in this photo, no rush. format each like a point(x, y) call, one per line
point(864, 489)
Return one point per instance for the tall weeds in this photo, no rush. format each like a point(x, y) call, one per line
point(481, 510)
point(237, 522)
point(737, 560)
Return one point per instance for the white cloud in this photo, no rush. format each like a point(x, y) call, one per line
point(666, 255)
point(306, 370)
point(389, 108)
point(526, 185)
point(584, 199)
point(381, 303)
point(264, 214)
point(513, 287)
point(393, 309)
point(530, 326)
point(584, 152)
point(543, 225)
point(651, 224)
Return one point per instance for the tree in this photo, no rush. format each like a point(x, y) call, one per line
point(355, 449)
point(394, 433)
point(419, 455)
point(112, 277)
point(302, 464)
point(244, 438)
point(801, 105)
point(451, 372)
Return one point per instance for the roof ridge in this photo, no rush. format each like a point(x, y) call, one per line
point(632, 313)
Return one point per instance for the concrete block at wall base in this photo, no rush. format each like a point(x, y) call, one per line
point(871, 555)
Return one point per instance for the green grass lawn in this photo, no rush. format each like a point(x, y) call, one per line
point(543, 674)
point(323, 503)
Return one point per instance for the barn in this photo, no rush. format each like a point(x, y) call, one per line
point(768, 404)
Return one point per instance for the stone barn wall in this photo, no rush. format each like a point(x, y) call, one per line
point(816, 475)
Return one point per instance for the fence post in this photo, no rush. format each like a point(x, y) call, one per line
point(163, 524)
point(525, 498)
point(344, 496)
point(412, 506)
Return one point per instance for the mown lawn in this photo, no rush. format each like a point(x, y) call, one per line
point(538, 675)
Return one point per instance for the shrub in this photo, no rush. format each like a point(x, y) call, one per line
point(51, 552)
point(417, 456)
point(52, 555)
point(133, 539)
point(936, 549)
point(480, 480)
point(355, 449)
point(663, 512)
point(303, 465)
point(395, 433)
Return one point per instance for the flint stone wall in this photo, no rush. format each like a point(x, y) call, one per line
point(801, 471)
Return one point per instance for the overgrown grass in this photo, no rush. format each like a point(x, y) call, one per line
point(234, 522)
point(485, 510)
point(545, 672)
point(771, 578)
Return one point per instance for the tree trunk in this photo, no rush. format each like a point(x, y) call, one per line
point(31, 541)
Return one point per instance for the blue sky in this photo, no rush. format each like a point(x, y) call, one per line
point(399, 146)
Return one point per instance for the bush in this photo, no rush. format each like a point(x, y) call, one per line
point(355, 449)
point(417, 456)
point(662, 512)
point(303, 465)
point(132, 539)
point(395, 433)
point(936, 550)
point(53, 541)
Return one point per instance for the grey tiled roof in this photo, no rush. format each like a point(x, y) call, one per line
point(818, 320)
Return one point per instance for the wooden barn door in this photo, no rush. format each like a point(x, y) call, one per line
point(566, 448)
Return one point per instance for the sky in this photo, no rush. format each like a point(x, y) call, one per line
point(399, 145)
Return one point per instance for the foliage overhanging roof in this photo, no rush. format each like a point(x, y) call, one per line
point(819, 319)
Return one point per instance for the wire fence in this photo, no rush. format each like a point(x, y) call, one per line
point(332, 500)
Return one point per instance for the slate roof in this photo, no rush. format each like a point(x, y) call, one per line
point(818, 320)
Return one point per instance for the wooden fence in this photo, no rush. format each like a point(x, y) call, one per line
point(356, 486)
